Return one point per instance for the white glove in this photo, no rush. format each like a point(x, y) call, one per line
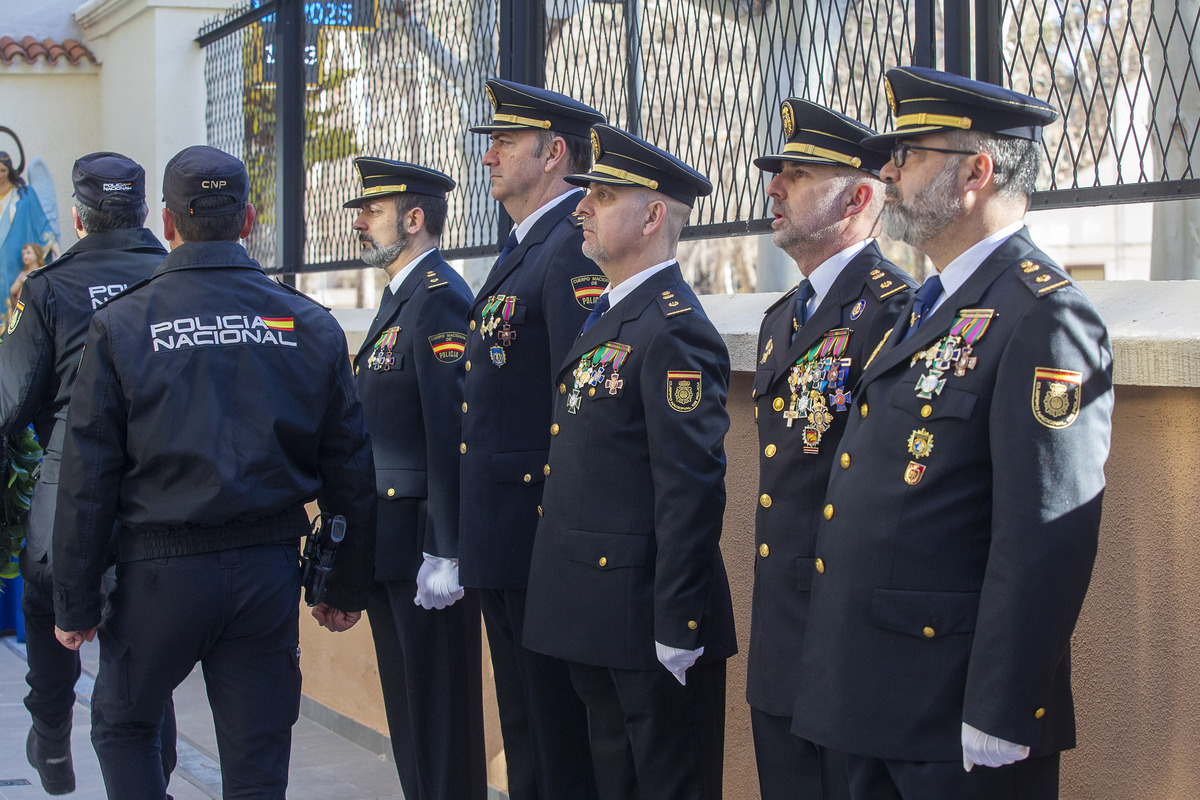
point(988, 751)
point(437, 583)
point(677, 661)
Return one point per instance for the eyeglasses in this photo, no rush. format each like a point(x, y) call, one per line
point(900, 152)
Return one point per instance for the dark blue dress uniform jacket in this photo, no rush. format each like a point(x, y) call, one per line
point(950, 595)
point(414, 416)
point(868, 294)
point(40, 354)
point(628, 552)
point(185, 426)
point(506, 422)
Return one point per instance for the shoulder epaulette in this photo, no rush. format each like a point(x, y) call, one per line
point(885, 284)
point(433, 280)
point(576, 219)
point(784, 298)
point(1040, 279)
point(672, 305)
point(58, 262)
point(298, 293)
point(131, 287)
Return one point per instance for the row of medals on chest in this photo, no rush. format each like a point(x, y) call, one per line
point(496, 313)
point(590, 372)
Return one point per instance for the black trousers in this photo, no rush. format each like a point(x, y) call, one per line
point(543, 722)
point(53, 669)
point(791, 768)
point(881, 779)
point(235, 612)
point(651, 737)
point(431, 673)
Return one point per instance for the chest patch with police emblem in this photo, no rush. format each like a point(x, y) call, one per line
point(449, 346)
point(1057, 396)
point(587, 289)
point(856, 312)
point(15, 317)
point(683, 390)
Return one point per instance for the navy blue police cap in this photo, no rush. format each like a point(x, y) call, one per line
point(109, 182)
point(623, 159)
point(520, 107)
point(199, 172)
point(924, 100)
point(819, 135)
point(382, 177)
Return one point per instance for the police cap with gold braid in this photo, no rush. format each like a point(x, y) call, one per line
point(382, 177)
point(926, 100)
point(520, 107)
point(623, 159)
point(819, 135)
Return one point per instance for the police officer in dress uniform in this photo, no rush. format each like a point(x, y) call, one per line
point(962, 515)
point(826, 200)
point(409, 376)
point(37, 367)
point(211, 404)
point(524, 319)
point(627, 582)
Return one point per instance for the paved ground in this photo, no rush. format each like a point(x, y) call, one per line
point(324, 765)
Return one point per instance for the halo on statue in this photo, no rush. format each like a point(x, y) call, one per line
point(20, 166)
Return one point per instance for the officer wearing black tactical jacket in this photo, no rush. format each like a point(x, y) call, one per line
point(37, 368)
point(211, 404)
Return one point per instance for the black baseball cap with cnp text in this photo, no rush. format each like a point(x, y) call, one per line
point(109, 182)
point(200, 171)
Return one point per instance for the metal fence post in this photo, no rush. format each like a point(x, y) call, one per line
point(987, 41)
point(924, 38)
point(957, 38)
point(289, 136)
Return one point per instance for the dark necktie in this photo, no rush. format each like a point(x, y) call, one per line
point(927, 295)
point(510, 244)
point(597, 312)
point(800, 312)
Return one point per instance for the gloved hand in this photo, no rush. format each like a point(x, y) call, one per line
point(437, 583)
point(986, 750)
point(677, 661)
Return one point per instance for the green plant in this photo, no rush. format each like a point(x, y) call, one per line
point(22, 454)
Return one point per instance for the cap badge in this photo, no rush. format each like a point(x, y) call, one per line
point(891, 98)
point(596, 151)
point(491, 97)
point(789, 121)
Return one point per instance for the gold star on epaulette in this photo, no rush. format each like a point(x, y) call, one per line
point(576, 219)
point(884, 284)
point(436, 280)
point(1040, 279)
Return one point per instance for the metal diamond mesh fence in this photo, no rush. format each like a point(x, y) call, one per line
point(702, 79)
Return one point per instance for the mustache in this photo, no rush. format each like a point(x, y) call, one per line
point(890, 190)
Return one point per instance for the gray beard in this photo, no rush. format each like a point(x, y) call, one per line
point(926, 214)
point(382, 257)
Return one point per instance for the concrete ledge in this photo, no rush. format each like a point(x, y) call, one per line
point(1154, 326)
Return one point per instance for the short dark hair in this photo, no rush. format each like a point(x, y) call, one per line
point(96, 221)
point(224, 228)
point(579, 149)
point(434, 208)
point(1015, 161)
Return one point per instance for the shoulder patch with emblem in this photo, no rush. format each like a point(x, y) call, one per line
point(1040, 279)
point(433, 280)
point(683, 390)
point(449, 346)
point(671, 304)
point(587, 289)
point(885, 284)
point(15, 317)
point(1057, 396)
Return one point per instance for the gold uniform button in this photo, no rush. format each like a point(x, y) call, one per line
point(829, 511)
point(845, 461)
point(391, 492)
point(528, 477)
point(592, 392)
point(926, 410)
point(778, 404)
point(820, 565)
point(770, 451)
point(540, 511)
point(862, 410)
point(929, 632)
point(546, 470)
point(603, 561)
point(554, 429)
point(692, 625)
point(1041, 712)
point(765, 501)
point(472, 325)
point(562, 388)
point(464, 407)
point(462, 448)
point(467, 366)
point(763, 550)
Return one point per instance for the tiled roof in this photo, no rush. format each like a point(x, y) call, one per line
point(30, 50)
